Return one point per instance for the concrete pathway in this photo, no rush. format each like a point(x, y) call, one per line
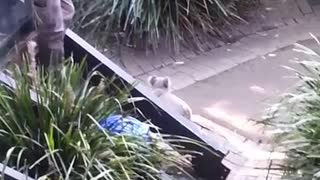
point(230, 98)
point(275, 24)
point(233, 83)
point(188, 72)
point(226, 101)
point(245, 91)
point(241, 78)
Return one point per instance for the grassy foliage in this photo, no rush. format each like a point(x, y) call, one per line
point(298, 119)
point(150, 22)
point(59, 136)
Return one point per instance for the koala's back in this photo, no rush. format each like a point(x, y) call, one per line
point(177, 104)
point(19, 52)
point(161, 87)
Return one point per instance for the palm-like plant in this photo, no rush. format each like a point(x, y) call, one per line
point(54, 129)
point(298, 119)
point(176, 22)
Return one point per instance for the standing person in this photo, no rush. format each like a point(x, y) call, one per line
point(52, 17)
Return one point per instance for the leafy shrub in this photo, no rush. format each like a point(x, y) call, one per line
point(297, 117)
point(176, 22)
point(60, 136)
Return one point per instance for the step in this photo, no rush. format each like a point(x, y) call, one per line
point(241, 125)
point(245, 158)
point(230, 136)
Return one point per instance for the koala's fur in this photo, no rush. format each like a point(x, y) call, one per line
point(24, 53)
point(161, 87)
point(27, 49)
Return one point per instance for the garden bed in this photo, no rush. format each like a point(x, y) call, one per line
point(209, 165)
point(154, 25)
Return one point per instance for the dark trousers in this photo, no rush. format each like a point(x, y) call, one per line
point(52, 17)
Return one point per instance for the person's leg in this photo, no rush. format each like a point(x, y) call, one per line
point(50, 54)
point(53, 17)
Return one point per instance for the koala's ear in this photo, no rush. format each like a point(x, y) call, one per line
point(152, 80)
point(167, 82)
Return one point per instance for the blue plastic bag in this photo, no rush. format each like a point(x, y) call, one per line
point(118, 124)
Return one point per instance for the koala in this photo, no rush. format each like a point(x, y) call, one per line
point(24, 54)
point(161, 87)
point(27, 49)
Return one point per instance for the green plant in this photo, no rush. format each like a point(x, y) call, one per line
point(59, 135)
point(175, 22)
point(297, 117)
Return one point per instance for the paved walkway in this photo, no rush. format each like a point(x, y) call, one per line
point(232, 83)
point(187, 72)
point(277, 23)
point(226, 101)
point(245, 91)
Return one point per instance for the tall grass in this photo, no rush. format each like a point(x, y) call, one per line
point(297, 117)
point(175, 23)
point(59, 135)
